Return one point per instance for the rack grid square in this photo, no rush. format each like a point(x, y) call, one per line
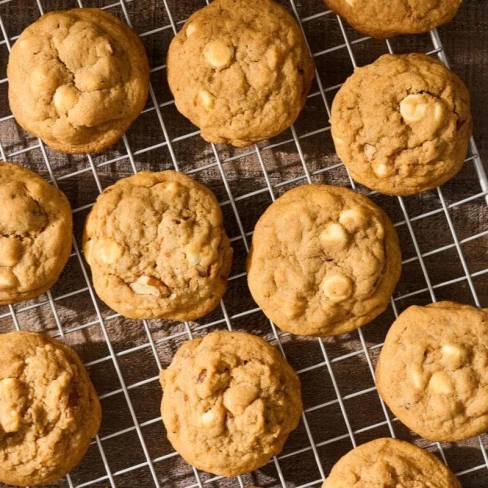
point(444, 235)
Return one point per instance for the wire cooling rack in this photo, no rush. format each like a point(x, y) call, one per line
point(443, 232)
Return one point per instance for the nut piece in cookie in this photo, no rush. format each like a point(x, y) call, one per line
point(402, 124)
point(229, 402)
point(432, 370)
point(35, 234)
point(49, 410)
point(78, 79)
point(387, 19)
point(324, 261)
point(250, 70)
point(383, 462)
point(157, 247)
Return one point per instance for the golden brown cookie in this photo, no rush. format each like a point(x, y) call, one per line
point(157, 247)
point(229, 402)
point(35, 234)
point(324, 261)
point(382, 19)
point(432, 371)
point(390, 463)
point(78, 79)
point(49, 410)
point(240, 70)
point(402, 124)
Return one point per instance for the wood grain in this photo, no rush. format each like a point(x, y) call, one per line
point(465, 41)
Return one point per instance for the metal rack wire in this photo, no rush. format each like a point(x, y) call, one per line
point(326, 360)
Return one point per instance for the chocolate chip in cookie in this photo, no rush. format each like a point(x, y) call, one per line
point(49, 410)
point(402, 124)
point(35, 234)
point(157, 247)
point(229, 402)
point(390, 463)
point(240, 70)
point(78, 79)
point(382, 19)
point(432, 370)
point(324, 261)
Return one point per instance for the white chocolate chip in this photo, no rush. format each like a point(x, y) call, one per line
point(438, 112)
point(218, 54)
point(338, 141)
point(453, 355)
point(147, 285)
point(413, 108)
point(440, 383)
point(353, 218)
point(350, 2)
point(171, 187)
point(337, 287)
point(65, 98)
point(381, 170)
point(417, 377)
point(370, 151)
point(334, 235)
point(8, 386)
point(190, 29)
point(24, 43)
point(108, 251)
point(208, 418)
point(193, 258)
point(206, 99)
point(7, 279)
point(87, 249)
point(37, 79)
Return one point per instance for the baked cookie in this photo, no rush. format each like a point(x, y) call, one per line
point(35, 234)
point(157, 247)
point(324, 261)
point(240, 70)
point(402, 124)
point(432, 371)
point(388, 19)
point(49, 410)
point(390, 463)
point(229, 402)
point(78, 79)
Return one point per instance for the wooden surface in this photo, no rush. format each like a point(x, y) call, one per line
point(465, 41)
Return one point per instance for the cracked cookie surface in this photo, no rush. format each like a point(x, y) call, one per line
point(78, 79)
point(49, 410)
point(229, 402)
point(324, 261)
point(35, 234)
point(250, 71)
point(157, 247)
point(432, 371)
point(402, 124)
point(390, 463)
point(388, 19)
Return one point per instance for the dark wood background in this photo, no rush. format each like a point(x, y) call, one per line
point(153, 148)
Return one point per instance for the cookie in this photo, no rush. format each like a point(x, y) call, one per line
point(387, 19)
point(390, 463)
point(157, 247)
point(35, 234)
point(229, 402)
point(78, 79)
point(402, 124)
point(432, 370)
point(49, 410)
point(240, 70)
point(324, 261)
